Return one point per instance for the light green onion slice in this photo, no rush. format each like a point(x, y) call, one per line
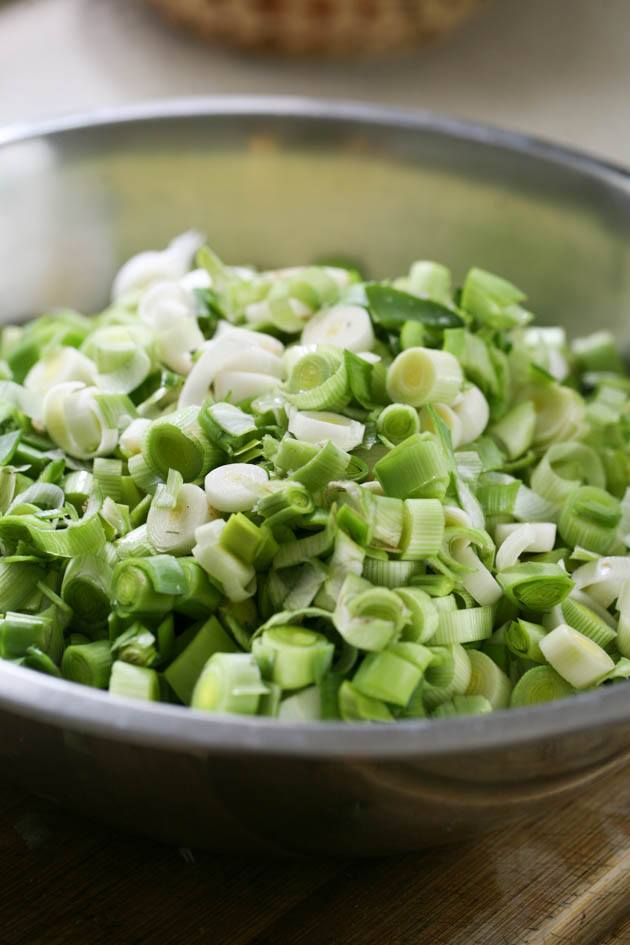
point(447, 675)
point(565, 467)
point(397, 422)
point(86, 588)
point(463, 705)
point(319, 381)
point(537, 587)
point(582, 618)
point(540, 684)
point(523, 639)
point(424, 617)
point(575, 657)
point(229, 683)
point(368, 617)
point(423, 528)
point(134, 682)
point(184, 671)
point(515, 430)
point(176, 441)
point(233, 576)
point(424, 376)
point(387, 676)
point(304, 706)
point(292, 656)
point(488, 680)
point(89, 664)
point(589, 517)
point(355, 707)
point(390, 572)
point(416, 468)
point(463, 626)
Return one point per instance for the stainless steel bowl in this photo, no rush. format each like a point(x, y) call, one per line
point(282, 181)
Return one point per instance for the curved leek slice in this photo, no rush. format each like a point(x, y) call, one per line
point(75, 419)
point(169, 310)
point(344, 326)
point(314, 426)
point(575, 657)
point(57, 367)
point(146, 268)
point(488, 680)
point(474, 413)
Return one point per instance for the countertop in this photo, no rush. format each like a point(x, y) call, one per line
point(555, 68)
point(563, 879)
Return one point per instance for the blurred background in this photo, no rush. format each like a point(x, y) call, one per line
point(556, 68)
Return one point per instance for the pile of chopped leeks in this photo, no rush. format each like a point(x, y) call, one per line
point(301, 495)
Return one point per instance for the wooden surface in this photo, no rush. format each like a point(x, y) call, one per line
point(565, 878)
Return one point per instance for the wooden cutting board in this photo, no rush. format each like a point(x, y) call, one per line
point(563, 879)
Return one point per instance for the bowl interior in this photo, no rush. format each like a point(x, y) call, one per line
point(281, 182)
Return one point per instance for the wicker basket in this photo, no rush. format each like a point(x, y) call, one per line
point(319, 27)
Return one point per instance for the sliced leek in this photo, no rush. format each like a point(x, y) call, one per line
point(293, 494)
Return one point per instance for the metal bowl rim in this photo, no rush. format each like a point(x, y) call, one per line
point(92, 712)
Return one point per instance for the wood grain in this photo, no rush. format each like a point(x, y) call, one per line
point(563, 879)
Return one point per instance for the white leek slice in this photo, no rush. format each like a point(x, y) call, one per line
point(513, 546)
point(258, 313)
point(479, 582)
point(576, 658)
point(198, 383)
point(169, 310)
point(235, 487)
point(172, 530)
point(259, 339)
point(454, 516)
point(132, 437)
point(602, 579)
point(29, 401)
point(196, 279)
point(474, 413)
point(58, 366)
point(227, 353)
point(515, 539)
point(241, 385)
point(343, 326)
point(254, 360)
point(369, 356)
point(75, 422)
point(120, 355)
point(318, 426)
point(143, 270)
point(237, 579)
